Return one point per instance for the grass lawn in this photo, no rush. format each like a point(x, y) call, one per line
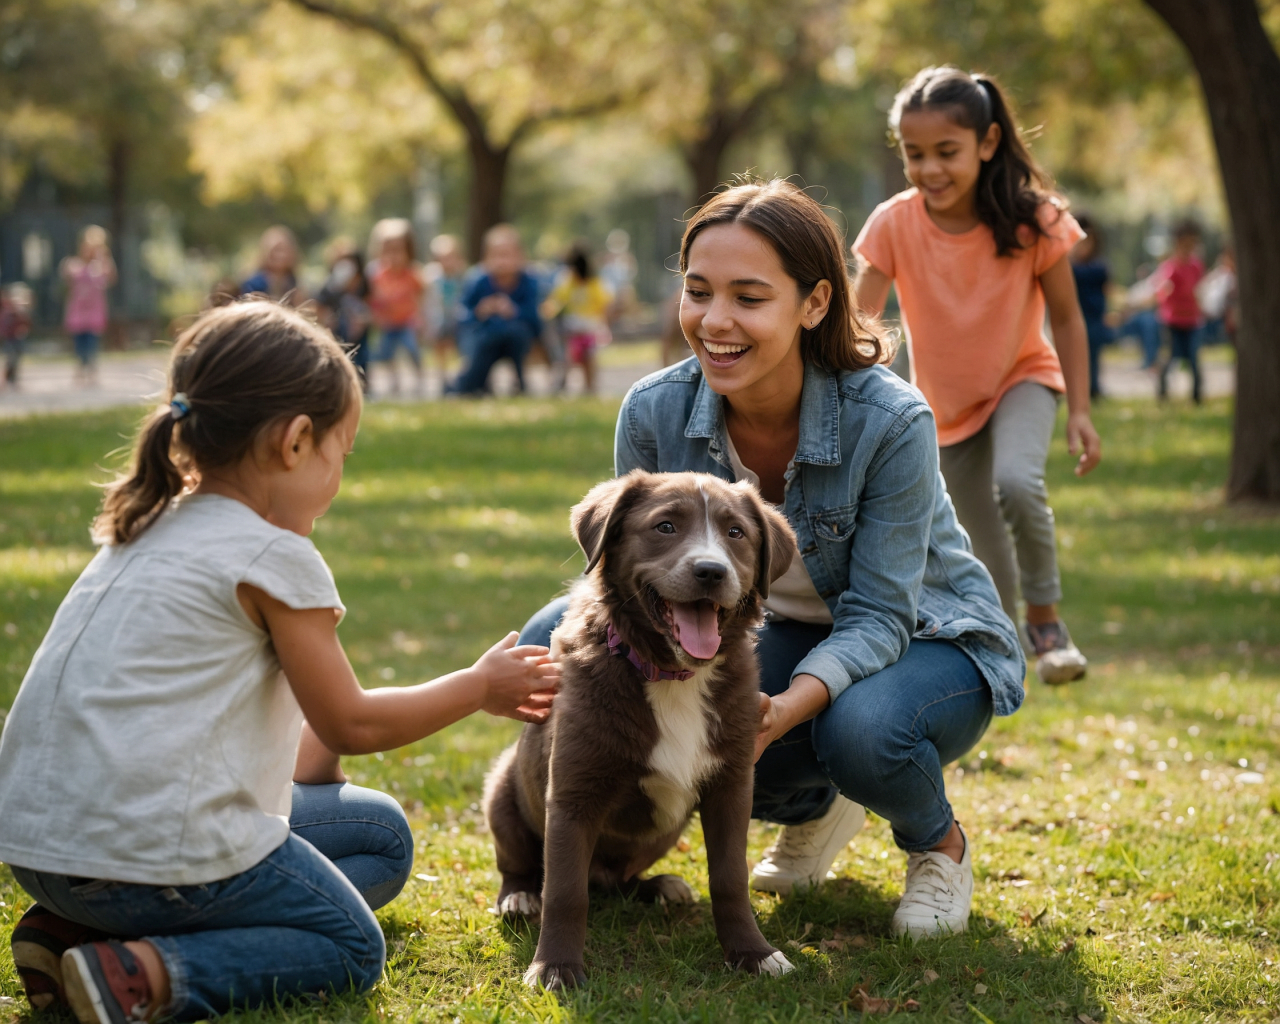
point(1126, 829)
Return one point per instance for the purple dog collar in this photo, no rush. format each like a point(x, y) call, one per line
point(650, 671)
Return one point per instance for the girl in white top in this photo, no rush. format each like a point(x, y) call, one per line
point(191, 676)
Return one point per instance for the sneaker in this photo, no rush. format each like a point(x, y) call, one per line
point(39, 939)
point(937, 897)
point(1058, 660)
point(105, 984)
point(803, 854)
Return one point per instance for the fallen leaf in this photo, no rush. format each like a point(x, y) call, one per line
point(975, 972)
point(1084, 1018)
point(930, 977)
point(862, 1000)
point(911, 1006)
point(1030, 920)
point(808, 927)
point(1160, 897)
point(682, 844)
point(1067, 946)
point(1026, 975)
point(836, 944)
point(860, 941)
point(979, 989)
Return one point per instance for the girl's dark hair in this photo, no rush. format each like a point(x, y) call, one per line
point(356, 260)
point(1011, 185)
point(811, 250)
point(238, 370)
point(578, 259)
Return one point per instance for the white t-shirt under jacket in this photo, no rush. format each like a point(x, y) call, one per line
point(154, 736)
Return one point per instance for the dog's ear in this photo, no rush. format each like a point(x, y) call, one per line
point(603, 508)
point(777, 543)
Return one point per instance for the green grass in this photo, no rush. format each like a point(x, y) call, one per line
point(1099, 891)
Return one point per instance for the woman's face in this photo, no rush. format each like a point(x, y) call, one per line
point(742, 312)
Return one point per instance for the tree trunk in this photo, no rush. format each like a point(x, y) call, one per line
point(1240, 74)
point(488, 180)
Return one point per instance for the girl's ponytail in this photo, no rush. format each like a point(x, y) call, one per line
point(235, 372)
point(135, 499)
point(1011, 185)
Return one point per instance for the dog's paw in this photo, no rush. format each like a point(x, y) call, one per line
point(517, 905)
point(670, 889)
point(773, 964)
point(554, 977)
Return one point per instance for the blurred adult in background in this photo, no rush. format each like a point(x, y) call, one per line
point(344, 297)
point(1179, 309)
point(501, 312)
point(15, 326)
point(582, 302)
point(396, 290)
point(276, 276)
point(618, 271)
point(1138, 317)
point(1092, 276)
point(88, 276)
point(445, 276)
point(1218, 296)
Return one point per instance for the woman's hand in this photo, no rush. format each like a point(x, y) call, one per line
point(805, 698)
point(520, 682)
point(1083, 438)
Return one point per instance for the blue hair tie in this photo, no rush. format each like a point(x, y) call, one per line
point(179, 405)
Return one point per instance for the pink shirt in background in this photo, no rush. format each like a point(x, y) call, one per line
point(87, 286)
point(975, 319)
point(394, 296)
point(1178, 278)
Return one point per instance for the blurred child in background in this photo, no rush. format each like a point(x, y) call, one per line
point(345, 295)
point(277, 273)
point(1217, 294)
point(582, 301)
point(396, 289)
point(501, 312)
point(1179, 309)
point(1092, 277)
point(88, 276)
point(445, 277)
point(15, 326)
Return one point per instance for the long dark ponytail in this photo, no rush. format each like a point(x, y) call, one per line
point(235, 372)
point(1011, 185)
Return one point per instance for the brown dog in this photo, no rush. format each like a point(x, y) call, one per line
point(657, 715)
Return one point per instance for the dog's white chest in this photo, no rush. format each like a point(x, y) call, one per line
point(682, 758)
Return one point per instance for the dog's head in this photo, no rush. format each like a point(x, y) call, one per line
point(686, 555)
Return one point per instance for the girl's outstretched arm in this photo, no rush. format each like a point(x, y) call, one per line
point(1072, 343)
point(871, 288)
point(514, 682)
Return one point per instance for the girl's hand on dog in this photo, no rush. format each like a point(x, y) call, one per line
point(520, 682)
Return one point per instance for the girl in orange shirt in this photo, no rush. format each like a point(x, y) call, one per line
point(977, 250)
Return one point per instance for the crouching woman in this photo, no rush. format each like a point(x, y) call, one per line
point(886, 651)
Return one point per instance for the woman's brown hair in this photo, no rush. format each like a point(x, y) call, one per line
point(810, 250)
point(236, 371)
point(1011, 185)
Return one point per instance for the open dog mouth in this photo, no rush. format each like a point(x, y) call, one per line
point(694, 625)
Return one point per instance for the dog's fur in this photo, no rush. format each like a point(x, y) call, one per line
point(607, 785)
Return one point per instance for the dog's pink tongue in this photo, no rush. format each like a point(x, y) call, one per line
point(697, 628)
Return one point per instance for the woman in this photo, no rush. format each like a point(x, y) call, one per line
point(886, 651)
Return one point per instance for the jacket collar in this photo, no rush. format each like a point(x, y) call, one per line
point(819, 419)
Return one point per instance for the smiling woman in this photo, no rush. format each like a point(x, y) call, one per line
point(885, 652)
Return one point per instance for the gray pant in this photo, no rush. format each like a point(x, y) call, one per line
point(996, 480)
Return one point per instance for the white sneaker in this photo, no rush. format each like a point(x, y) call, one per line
point(1058, 659)
point(938, 895)
point(803, 854)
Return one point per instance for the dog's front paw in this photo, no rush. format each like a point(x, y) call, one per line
point(517, 906)
point(554, 977)
point(773, 964)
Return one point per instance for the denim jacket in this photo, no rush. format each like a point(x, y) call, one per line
point(876, 528)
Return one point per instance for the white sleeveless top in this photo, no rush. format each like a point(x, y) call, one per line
point(153, 739)
point(792, 595)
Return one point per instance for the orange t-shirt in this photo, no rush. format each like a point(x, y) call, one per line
point(394, 296)
point(975, 319)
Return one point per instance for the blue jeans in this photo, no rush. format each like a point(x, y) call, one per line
point(882, 743)
point(392, 338)
point(1184, 344)
point(86, 345)
point(298, 922)
point(490, 341)
point(1145, 326)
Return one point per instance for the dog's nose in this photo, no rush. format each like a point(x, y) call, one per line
point(706, 570)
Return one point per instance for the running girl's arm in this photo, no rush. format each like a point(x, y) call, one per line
point(1072, 343)
point(871, 288)
point(515, 682)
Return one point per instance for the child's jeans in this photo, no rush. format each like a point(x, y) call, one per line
point(1184, 344)
point(299, 922)
point(406, 337)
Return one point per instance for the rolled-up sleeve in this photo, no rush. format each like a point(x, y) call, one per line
point(875, 617)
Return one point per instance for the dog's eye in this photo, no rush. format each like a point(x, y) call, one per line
point(666, 527)
point(735, 532)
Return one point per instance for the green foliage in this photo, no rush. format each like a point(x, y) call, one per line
point(1099, 891)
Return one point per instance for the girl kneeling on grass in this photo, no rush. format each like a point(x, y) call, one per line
point(145, 796)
